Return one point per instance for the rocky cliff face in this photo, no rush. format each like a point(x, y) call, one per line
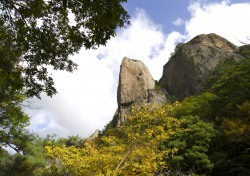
point(134, 82)
point(184, 74)
point(136, 87)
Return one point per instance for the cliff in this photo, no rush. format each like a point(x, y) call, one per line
point(185, 72)
point(136, 87)
point(183, 75)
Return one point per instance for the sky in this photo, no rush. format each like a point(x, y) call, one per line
point(86, 98)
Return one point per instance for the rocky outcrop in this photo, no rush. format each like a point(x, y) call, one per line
point(184, 74)
point(94, 135)
point(136, 87)
point(134, 82)
point(187, 68)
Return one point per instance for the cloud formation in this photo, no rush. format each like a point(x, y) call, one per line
point(178, 22)
point(86, 99)
point(230, 21)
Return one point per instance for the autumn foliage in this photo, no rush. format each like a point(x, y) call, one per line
point(132, 149)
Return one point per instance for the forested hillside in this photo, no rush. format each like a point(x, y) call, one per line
point(206, 134)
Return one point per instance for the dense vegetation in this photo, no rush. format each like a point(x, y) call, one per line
point(206, 134)
point(35, 36)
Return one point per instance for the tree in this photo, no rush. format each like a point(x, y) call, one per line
point(12, 119)
point(10, 72)
point(131, 149)
point(38, 34)
point(232, 154)
point(46, 32)
point(31, 161)
point(230, 82)
point(193, 146)
point(197, 105)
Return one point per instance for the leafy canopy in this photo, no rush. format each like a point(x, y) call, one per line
point(230, 82)
point(131, 149)
point(193, 146)
point(46, 32)
point(12, 119)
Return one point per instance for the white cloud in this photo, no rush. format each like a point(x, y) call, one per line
point(178, 22)
point(230, 21)
point(86, 99)
point(43, 123)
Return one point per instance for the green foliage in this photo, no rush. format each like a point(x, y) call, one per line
point(193, 146)
point(245, 51)
point(231, 83)
point(12, 119)
point(30, 161)
point(46, 33)
point(75, 141)
point(10, 73)
point(231, 156)
point(5, 161)
point(197, 105)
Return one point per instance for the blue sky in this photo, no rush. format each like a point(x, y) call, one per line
point(163, 12)
point(166, 11)
point(86, 99)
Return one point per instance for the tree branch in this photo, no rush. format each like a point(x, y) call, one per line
point(121, 162)
point(14, 148)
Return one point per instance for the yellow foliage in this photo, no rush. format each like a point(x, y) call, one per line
point(131, 150)
point(235, 128)
point(244, 110)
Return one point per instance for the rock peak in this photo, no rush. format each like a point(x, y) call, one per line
point(214, 40)
point(185, 72)
point(136, 88)
point(135, 81)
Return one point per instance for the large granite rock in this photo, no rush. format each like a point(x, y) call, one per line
point(187, 68)
point(134, 82)
point(184, 74)
point(136, 87)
